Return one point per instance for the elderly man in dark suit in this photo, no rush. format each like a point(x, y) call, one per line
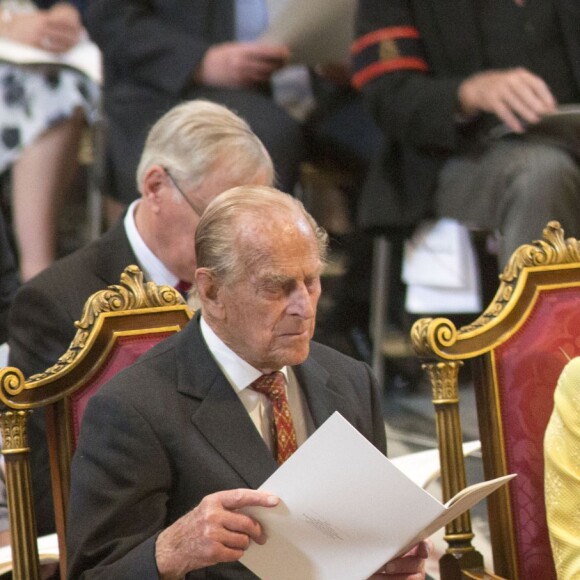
point(194, 152)
point(189, 429)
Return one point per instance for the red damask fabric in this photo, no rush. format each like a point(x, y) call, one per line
point(528, 366)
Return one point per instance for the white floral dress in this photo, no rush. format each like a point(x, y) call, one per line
point(35, 98)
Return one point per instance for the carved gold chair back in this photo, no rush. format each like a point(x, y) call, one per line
point(517, 349)
point(118, 324)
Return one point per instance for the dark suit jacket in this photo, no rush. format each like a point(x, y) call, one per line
point(41, 327)
point(416, 110)
point(9, 281)
point(175, 432)
point(151, 49)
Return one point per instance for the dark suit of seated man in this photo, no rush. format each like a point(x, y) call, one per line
point(194, 152)
point(155, 493)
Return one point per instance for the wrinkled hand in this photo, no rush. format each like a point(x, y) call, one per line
point(512, 95)
point(212, 532)
point(57, 29)
point(241, 64)
point(411, 566)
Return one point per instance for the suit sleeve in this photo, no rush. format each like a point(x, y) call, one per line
point(143, 46)
point(120, 485)
point(392, 68)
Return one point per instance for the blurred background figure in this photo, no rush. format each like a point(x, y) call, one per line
point(438, 77)
point(42, 115)
point(157, 54)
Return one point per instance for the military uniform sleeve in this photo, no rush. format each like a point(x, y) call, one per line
point(394, 72)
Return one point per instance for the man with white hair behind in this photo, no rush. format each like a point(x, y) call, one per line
point(194, 152)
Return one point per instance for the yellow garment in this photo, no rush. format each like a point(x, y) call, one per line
point(562, 473)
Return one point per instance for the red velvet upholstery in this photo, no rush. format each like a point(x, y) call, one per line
point(126, 350)
point(528, 366)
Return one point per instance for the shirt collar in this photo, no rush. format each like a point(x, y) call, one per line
point(239, 373)
point(152, 267)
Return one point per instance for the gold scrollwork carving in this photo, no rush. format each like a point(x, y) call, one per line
point(553, 249)
point(443, 377)
point(14, 434)
point(430, 335)
point(132, 293)
point(11, 382)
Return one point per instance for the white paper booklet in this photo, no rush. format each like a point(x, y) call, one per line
point(346, 510)
point(85, 56)
point(561, 128)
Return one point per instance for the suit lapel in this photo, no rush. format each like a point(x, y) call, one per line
point(220, 416)
point(322, 400)
point(222, 419)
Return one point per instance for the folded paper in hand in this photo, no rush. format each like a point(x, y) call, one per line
point(316, 31)
point(345, 510)
point(560, 128)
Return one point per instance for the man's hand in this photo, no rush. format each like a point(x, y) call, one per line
point(411, 566)
point(241, 64)
point(513, 95)
point(212, 532)
point(57, 29)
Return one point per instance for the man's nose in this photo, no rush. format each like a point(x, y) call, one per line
point(301, 303)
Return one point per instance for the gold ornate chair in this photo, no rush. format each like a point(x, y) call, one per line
point(118, 324)
point(517, 349)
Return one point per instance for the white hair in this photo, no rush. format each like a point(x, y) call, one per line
point(195, 136)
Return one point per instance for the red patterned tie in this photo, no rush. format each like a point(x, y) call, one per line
point(273, 387)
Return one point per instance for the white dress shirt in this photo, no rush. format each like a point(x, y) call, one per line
point(151, 266)
point(241, 375)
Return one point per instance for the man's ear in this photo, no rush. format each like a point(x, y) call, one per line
point(208, 290)
point(155, 183)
